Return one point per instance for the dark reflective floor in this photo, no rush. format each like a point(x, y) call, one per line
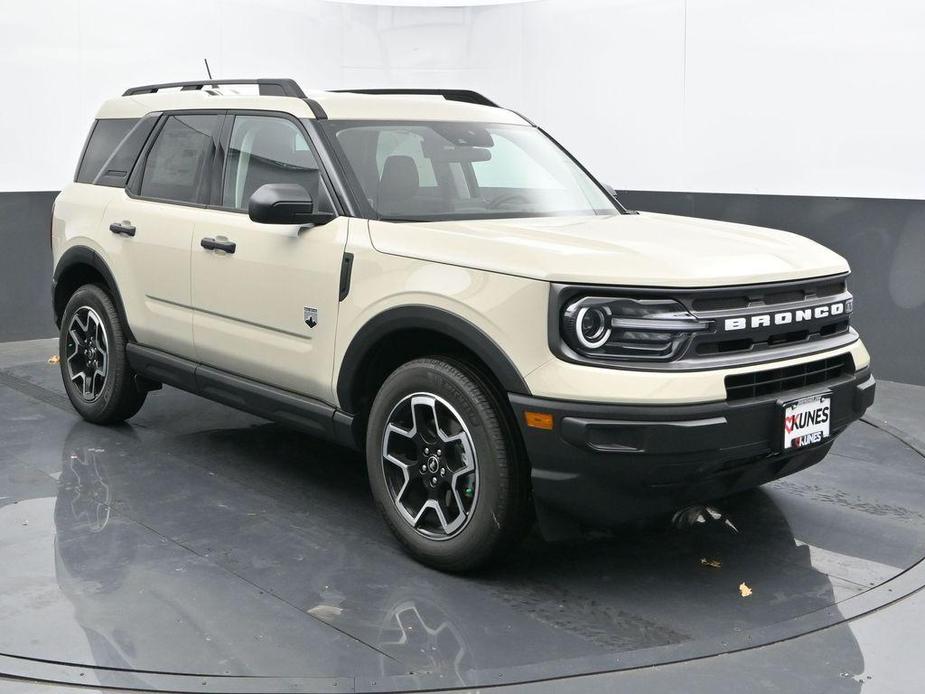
point(200, 540)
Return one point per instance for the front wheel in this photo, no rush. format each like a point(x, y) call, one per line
point(444, 467)
point(97, 378)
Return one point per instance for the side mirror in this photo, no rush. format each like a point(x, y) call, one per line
point(284, 203)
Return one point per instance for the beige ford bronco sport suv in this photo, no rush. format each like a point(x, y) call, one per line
point(431, 278)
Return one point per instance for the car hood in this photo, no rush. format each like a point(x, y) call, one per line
point(644, 249)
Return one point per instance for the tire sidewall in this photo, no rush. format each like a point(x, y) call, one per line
point(474, 543)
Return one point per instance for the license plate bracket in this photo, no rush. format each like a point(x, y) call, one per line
point(805, 421)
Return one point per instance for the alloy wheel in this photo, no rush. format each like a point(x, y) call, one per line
point(87, 353)
point(430, 466)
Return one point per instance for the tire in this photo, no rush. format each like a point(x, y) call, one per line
point(485, 510)
point(109, 395)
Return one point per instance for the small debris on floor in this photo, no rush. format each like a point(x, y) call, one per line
point(714, 563)
point(54, 359)
point(744, 590)
point(325, 611)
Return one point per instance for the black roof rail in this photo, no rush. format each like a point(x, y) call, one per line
point(465, 95)
point(268, 87)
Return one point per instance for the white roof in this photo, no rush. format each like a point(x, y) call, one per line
point(337, 105)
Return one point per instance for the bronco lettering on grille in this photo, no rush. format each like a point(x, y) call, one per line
point(766, 320)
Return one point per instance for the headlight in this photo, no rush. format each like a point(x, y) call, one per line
point(623, 328)
point(592, 326)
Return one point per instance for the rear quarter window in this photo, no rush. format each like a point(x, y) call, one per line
point(105, 137)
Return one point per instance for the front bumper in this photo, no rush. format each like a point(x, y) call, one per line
point(606, 464)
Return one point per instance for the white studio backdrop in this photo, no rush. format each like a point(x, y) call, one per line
point(800, 97)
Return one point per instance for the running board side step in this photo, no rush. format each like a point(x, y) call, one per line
point(294, 410)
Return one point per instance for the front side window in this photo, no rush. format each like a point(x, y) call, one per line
point(267, 149)
point(431, 171)
point(179, 163)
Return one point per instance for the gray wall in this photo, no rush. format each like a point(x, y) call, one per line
point(884, 240)
point(25, 266)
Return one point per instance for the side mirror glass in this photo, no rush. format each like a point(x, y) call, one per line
point(284, 203)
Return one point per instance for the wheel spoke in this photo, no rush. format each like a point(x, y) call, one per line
point(441, 516)
point(393, 429)
point(98, 385)
point(100, 335)
point(83, 324)
point(78, 342)
point(420, 514)
point(446, 438)
point(401, 464)
point(405, 469)
point(424, 416)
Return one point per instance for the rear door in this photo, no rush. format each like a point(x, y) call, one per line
point(149, 229)
point(266, 307)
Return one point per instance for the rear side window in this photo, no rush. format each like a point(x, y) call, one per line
point(178, 167)
point(104, 138)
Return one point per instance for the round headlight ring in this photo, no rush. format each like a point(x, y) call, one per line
point(592, 326)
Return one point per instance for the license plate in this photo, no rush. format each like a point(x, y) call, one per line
point(806, 421)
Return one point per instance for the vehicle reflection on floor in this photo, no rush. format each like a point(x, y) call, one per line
point(147, 603)
point(144, 598)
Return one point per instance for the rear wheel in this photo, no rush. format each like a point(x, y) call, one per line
point(97, 378)
point(444, 467)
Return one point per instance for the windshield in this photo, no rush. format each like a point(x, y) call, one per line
point(431, 171)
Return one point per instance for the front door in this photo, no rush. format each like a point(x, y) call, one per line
point(266, 296)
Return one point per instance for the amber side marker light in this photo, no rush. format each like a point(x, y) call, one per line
point(538, 420)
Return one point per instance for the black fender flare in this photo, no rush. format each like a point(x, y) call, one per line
point(82, 255)
point(423, 317)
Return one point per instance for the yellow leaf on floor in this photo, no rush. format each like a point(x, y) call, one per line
point(714, 563)
point(744, 590)
point(54, 360)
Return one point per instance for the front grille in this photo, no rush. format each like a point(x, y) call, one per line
point(790, 298)
point(773, 381)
